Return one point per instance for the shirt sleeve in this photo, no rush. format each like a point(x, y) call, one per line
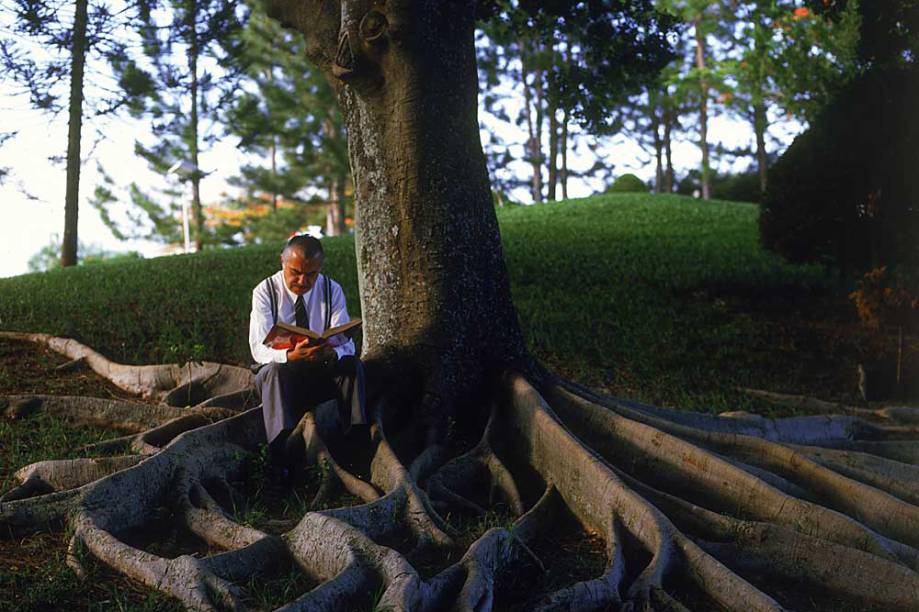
point(342, 344)
point(259, 325)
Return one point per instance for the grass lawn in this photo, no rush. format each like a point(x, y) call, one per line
point(663, 299)
point(660, 298)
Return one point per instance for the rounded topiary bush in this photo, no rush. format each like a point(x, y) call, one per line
point(628, 183)
point(846, 192)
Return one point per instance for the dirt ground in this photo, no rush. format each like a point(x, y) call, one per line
point(33, 570)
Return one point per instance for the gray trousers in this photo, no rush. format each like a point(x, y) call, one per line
point(288, 390)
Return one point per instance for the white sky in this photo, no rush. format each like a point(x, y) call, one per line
point(30, 224)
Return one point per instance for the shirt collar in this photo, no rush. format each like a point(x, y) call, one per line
point(290, 294)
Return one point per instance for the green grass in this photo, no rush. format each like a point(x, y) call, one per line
point(633, 293)
point(52, 585)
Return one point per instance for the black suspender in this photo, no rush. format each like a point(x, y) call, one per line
point(273, 298)
point(328, 303)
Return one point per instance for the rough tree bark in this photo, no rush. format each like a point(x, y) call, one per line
point(703, 108)
point(69, 244)
point(695, 511)
point(193, 136)
point(760, 124)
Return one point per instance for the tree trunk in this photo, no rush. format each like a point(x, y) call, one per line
point(703, 109)
point(658, 149)
point(760, 123)
point(193, 52)
point(74, 131)
point(273, 151)
point(335, 212)
point(539, 105)
point(553, 151)
point(668, 144)
point(274, 173)
point(433, 284)
point(564, 147)
point(552, 110)
point(533, 144)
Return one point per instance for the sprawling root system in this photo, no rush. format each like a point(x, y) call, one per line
point(551, 499)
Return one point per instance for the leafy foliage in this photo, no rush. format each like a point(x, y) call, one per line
point(574, 63)
point(189, 69)
point(290, 123)
point(883, 298)
point(846, 192)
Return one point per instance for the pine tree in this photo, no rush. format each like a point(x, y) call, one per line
point(74, 36)
point(190, 70)
point(575, 64)
point(291, 119)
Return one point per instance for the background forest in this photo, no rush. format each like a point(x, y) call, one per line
point(554, 94)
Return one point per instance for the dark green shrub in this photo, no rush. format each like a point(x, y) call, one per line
point(846, 192)
point(628, 183)
point(742, 187)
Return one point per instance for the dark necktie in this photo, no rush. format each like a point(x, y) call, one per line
point(300, 309)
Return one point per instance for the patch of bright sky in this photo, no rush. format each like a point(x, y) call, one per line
point(32, 195)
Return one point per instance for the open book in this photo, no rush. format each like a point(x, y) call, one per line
point(286, 336)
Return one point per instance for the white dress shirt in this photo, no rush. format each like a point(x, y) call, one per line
point(260, 321)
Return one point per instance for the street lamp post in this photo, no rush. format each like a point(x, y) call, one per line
point(184, 170)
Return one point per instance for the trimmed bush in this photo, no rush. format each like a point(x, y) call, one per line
point(628, 183)
point(846, 193)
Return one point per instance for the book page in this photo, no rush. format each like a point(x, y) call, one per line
point(338, 329)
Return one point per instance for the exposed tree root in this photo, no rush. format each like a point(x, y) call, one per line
point(903, 415)
point(58, 475)
point(696, 511)
point(176, 385)
point(121, 415)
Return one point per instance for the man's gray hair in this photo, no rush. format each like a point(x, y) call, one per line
point(307, 245)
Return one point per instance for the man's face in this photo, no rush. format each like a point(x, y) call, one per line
point(300, 273)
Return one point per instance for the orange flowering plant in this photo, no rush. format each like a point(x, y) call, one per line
point(883, 299)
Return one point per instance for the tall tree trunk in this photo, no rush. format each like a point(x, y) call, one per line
point(274, 173)
point(564, 147)
point(539, 104)
point(335, 211)
point(703, 109)
point(331, 223)
point(760, 123)
point(193, 52)
point(668, 143)
point(552, 111)
point(761, 37)
point(74, 131)
point(553, 150)
point(433, 283)
point(532, 145)
point(658, 146)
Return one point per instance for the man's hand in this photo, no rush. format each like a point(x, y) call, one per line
point(311, 353)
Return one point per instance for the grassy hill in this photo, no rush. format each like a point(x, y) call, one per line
point(661, 298)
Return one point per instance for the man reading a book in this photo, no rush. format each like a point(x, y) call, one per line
point(297, 377)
